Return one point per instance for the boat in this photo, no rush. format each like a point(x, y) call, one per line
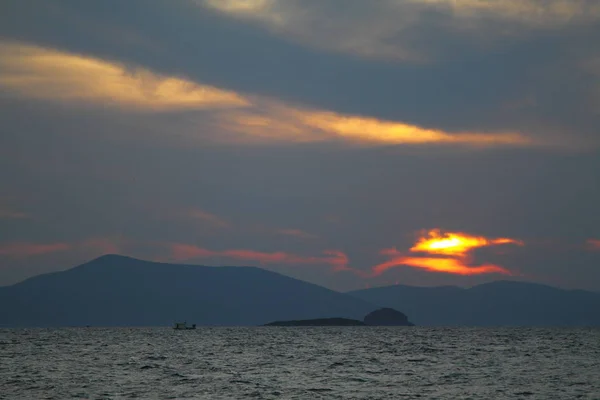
point(183, 326)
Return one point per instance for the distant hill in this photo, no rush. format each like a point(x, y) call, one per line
point(121, 291)
point(501, 303)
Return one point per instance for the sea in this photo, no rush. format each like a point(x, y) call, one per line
point(300, 363)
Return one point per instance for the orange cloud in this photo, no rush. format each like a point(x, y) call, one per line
point(593, 244)
point(447, 265)
point(22, 249)
point(455, 244)
point(450, 251)
point(336, 259)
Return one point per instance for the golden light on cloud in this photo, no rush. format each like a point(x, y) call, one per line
point(57, 76)
point(48, 74)
point(446, 265)
point(374, 130)
point(274, 122)
point(455, 243)
point(445, 252)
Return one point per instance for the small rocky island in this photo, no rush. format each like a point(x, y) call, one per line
point(387, 317)
point(381, 317)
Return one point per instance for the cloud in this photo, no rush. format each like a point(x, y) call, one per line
point(445, 265)
point(451, 251)
point(24, 249)
point(495, 66)
point(394, 29)
point(35, 72)
point(593, 244)
point(276, 123)
point(533, 13)
point(455, 243)
point(337, 259)
point(52, 75)
point(208, 218)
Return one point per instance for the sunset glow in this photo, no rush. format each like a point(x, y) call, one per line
point(447, 265)
point(455, 243)
point(450, 251)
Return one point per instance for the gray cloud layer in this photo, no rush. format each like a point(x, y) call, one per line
point(100, 170)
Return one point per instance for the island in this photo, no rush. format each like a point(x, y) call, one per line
point(380, 317)
point(319, 322)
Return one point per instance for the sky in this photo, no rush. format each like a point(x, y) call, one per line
point(348, 143)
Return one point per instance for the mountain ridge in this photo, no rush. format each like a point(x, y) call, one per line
point(154, 293)
point(114, 290)
point(498, 303)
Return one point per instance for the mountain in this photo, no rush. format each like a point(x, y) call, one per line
point(501, 303)
point(121, 291)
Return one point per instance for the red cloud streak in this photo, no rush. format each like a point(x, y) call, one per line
point(337, 259)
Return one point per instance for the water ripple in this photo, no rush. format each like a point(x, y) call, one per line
point(299, 363)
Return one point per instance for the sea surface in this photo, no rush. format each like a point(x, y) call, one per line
point(300, 363)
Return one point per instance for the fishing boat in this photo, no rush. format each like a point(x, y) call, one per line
point(183, 326)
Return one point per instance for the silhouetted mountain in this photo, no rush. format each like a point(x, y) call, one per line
point(121, 291)
point(501, 303)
